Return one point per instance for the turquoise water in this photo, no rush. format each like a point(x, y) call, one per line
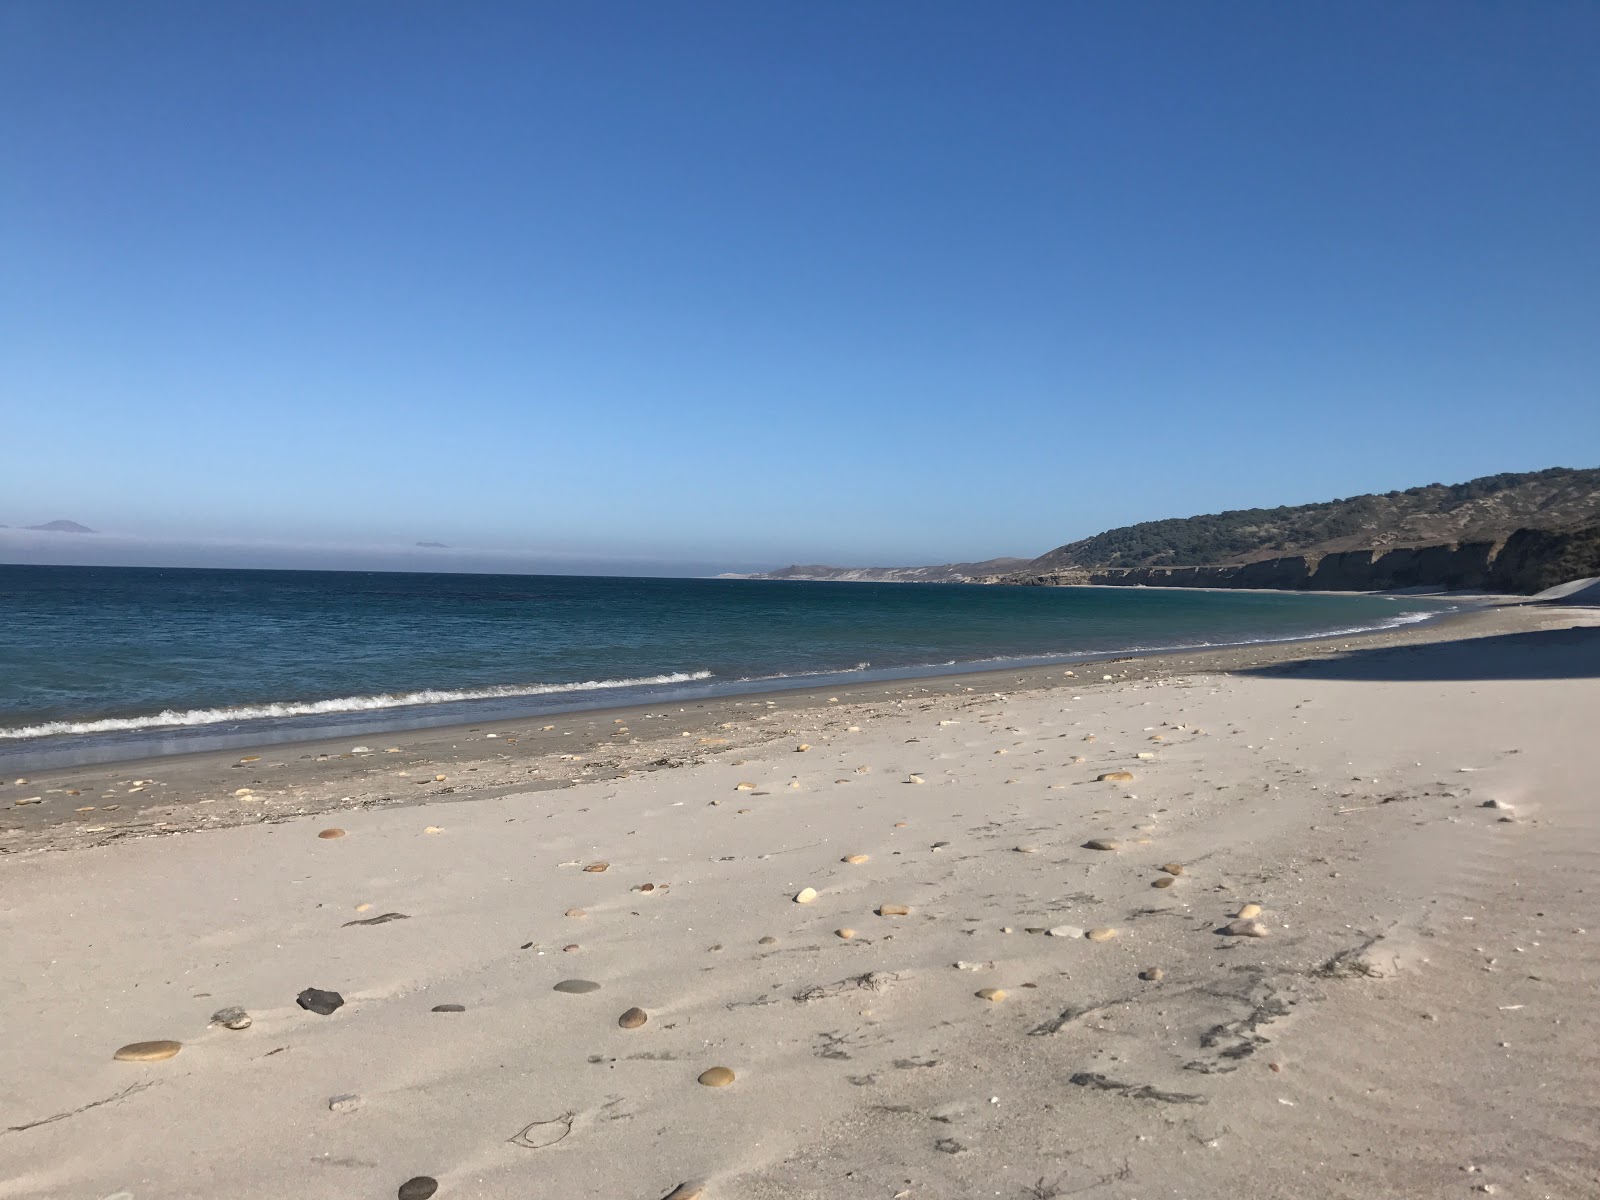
point(136, 657)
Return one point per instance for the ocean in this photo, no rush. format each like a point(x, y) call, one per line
point(106, 662)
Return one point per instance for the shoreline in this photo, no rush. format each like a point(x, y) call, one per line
point(261, 729)
point(253, 782)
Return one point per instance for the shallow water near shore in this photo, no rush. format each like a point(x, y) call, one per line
point(125, 662)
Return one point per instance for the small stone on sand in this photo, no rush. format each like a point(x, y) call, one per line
point(595, 868)
point(1115, 777)
point(1152, 974)
point(1103, 934)
point(330, 834)
point(846, 933)
point(320, 1002)
point(769, 940)
point(231, 1018)
point(1102, 844)
point(1248, 912)
point(854, 859)
point(802, 747)
point(894, 910)
point(348, 1102)
point(419, 1187)
point(1066, 931)
point(993, 994)
point(1165, 881)
point(147, 1051)
point(576, 912)
point(633, 1018)
point(686, 1191)
point(1172, 868)
point(915, 779)
point(744, 787)
point(449, 1008)
point(805, 895)
point(576, 987)
point(571, 948)
point(1245, 929)
point(716, 1077)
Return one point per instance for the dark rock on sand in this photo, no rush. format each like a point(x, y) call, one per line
point(231, 1018)
point(449, 1008)
point(320, 1002)
point(418, 1188)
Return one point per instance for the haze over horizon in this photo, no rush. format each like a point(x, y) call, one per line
point(722, 288)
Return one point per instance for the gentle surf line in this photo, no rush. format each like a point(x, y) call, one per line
point(171, 719)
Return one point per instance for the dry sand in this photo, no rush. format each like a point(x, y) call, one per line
point(1419, 1019)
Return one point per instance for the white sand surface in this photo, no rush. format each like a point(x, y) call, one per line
point(1420, 1020)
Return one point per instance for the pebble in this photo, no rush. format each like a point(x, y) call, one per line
point(1115, 777)
point(576, 987)
point(994, 995)
point(348, 1102)
point(1172, 868)
point(1245, 929)
point(916, 779)
point(330, 834)
point(419, 1187)
point(320, 1002)
point(1248, 912)
point(805, 895)
point(633, 1018)
point(769, 940)
point(744, 787)
point(595, 868)
point(1102, 844)
point(854, 859)
point(576, 912)
point(845, 933)
point(1066, 931)
point(717, 1077)
point(686, 1191)
point(1026, 849)
point(449, 1008)
point(147, 1051)
point(1102, 934)
point(802, 747)
point(231, 1018)
point(571, 948)
point(1153, 974)
point(1165, 881)
point(894, 910)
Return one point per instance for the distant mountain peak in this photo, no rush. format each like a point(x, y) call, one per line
point(60, 527)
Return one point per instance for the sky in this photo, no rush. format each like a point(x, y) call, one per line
point(688, 286)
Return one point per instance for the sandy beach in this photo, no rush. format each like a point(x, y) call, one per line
point(1310, 920)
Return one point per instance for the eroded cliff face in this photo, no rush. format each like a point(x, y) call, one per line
point(1530, 560)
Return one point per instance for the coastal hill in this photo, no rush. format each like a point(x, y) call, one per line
point(1511, 532)
point(1484, 509)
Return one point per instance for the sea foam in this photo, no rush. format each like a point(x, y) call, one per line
point(172, 719)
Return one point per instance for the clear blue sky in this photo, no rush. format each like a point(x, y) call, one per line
point(734, 283)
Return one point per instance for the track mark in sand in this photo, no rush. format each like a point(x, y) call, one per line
point(1070, 1014)
point(872, 981)
point(539, 1134)
point(1134, 1091)
point(62, 1116)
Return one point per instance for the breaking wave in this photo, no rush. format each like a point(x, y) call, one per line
point(172, 719)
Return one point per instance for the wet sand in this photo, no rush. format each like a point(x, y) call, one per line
point(1074, 1001)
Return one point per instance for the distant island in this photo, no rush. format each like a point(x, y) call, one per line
point(433, 545)
point(58, 527)
point(1514, 532)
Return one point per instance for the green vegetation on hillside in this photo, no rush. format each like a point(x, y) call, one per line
point(1486, 508)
